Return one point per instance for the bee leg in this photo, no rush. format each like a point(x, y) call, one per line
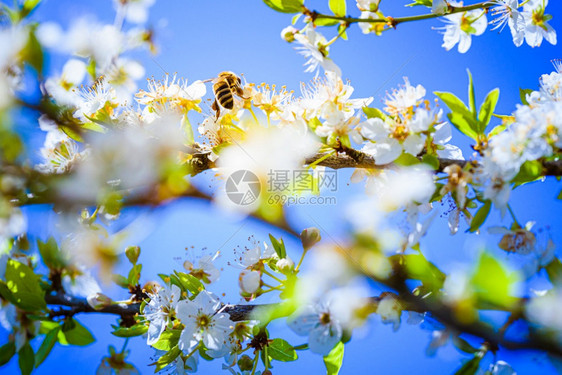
point(215, 107)
point(240, 93)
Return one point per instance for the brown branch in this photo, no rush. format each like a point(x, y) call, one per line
point(351, 158)
point(496, 338)
point(409, 302)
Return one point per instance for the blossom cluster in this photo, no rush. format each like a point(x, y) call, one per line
point(535, 134)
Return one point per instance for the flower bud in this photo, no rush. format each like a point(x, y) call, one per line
point(285, 265)
point(249, 281)
point(98, 301)
point(245, 363)
point(390, 310)
point(288, 34)
point(310, 237)
point(132, 253)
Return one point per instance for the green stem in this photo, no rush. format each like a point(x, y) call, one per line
point(125, 344)
point(255, 364)
point(336, 37)
point(396, 21)
point(513, 215)
point(300, 261)
point(272, 276)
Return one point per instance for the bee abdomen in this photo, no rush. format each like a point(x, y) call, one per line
point(223, 94)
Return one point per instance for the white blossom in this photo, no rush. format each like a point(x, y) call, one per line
point(160, 310)
point(536, 23)
point(368, 5)
point(507, 13)
point(249, 281)
point(461, 26)
point(439, 6)
point(317, 322)
point(202, 323)
point(63, 88)
point(135, 11)
point(313, 48)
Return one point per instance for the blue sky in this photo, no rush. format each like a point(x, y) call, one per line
point(198, 39)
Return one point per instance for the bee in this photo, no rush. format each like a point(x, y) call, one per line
point(225, 86)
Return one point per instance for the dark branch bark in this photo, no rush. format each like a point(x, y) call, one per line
point(200, 163)
point(409, 302)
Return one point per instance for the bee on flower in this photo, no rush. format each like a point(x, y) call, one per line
point(172, 92)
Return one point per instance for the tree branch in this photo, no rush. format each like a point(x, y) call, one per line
point(395, 21)
point(352, 158)
point(409, 302)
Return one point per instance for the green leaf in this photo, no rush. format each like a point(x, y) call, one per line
point(464, 346)
point(168, 339)
point(431, 160)
point(7, 351)
point(334, 360)
point(134, 274)
point(28, 6)
point(281, 350)
point(47, 326)
point(480, 216)
point(72, 134)
point(136, 330)
point(487, 109)
point(374, 113)
point(406, 160)
point(493, 283)
point(94, 127)
point(285, 6)
point(342, 30)
point(121, 281)
point(188, 130)
point(32, 53)
point(470, 367)
point(426, 3)
point(166, 359)
point(46, 346)
point(6, 293)
point(279, 247)
point(171, 279)
point(25, 287)
point(74, 333)
point(471, 96)
point(338, 7)
point(26, 359)
point(189, 282)
point(460, 116)
point(554, 271)
point(325, 22)
point(419, 268)
point(523, 95)
point(531, 170)
point(437, 193)
point(496, 130)
point(50, 254)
